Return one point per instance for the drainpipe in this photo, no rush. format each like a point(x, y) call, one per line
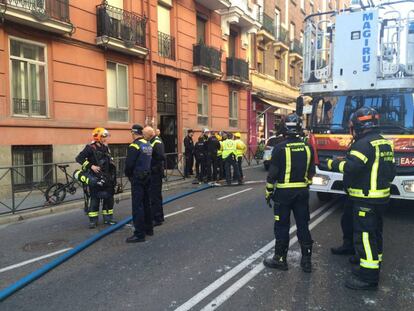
point(148, 106)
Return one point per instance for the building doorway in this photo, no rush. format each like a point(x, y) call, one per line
point(167, 117)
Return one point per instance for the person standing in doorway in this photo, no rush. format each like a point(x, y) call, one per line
point(189, 153)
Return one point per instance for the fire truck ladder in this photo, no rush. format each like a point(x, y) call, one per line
point(409, 69)
point(323, 50)
point(390, 44)
point(307, 50)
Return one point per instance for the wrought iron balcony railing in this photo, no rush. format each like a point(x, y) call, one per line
point(24, 106)
point(296, 47)
point(166, 45)
point(282, 35)
point(238, 68)
point(207, 57)
point(42, 9)
point(120, 24)
point(267, 23)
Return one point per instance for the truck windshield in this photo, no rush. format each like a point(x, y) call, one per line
point(331, 115)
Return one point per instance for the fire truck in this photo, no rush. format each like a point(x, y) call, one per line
point(359, 56)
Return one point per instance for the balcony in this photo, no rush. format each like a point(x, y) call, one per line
point(295, 54)
point(47, 15)
point(266, 34)
point(121, 30)
point(166, 45)
point(237, 71)
point(214, 4)
point(207, 61)
point(282, 40)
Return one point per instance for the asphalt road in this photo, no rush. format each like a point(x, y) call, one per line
point(206, 256)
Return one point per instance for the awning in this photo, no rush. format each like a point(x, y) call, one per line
point(276, 104)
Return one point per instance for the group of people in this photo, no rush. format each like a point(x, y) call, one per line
point(215, 154)
point(368, 168)
point(144, 167)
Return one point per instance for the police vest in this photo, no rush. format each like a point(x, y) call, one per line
point(240, 147)
point(143, 162)
point(229, 147)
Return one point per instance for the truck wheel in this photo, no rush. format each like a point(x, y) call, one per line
point(324, 196)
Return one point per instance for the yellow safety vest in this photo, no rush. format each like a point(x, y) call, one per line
point(240, 148)
point(229, 147)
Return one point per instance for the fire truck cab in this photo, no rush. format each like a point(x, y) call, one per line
point(355, 57)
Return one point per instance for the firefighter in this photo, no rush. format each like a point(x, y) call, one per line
point(240, 151)
point(138, 170)
point(228, 147)
point(213, 145)
point(96, 160)
point(369, 168)
point(220, 162)
point(157, 174)
point(291, 170)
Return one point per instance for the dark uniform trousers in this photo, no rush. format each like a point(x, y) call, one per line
point(156, 195)
point(141, 208)
point(107, 206)
point(368, 226)
point(347, 225)
point(229, 162)
point(295, 200)
point(212, 165)
point(220, 164)
point(239, 164)
point(201, 169)
point(189, 162)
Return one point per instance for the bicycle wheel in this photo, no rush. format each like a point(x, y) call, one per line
point(55, 194)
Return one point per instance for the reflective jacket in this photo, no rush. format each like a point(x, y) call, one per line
point(240, 148)
point(368, 168)
point(228, 148)
point(138, 161)
point(292, 165)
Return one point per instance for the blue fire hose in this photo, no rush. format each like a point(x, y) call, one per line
point(10, 290)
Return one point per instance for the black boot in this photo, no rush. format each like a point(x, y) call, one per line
point(93, 222)
point(305, 262)
point(347, 248)
point(109, 220)
point(356, 283)
point(278, 261)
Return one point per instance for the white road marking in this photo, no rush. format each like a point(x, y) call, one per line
point(223, 297)
point(232, 194)
point(233, 272)
point(178, 212)
point(23, 263)
point(249, 182)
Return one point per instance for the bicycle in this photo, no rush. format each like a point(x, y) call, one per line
point(56, 193)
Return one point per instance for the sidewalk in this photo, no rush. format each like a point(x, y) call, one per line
point(77, 202)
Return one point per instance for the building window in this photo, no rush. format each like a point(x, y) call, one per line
point(202, 104)
point(119, 153)
point(260, 61)
point(201, 30)
point(28, 78)
point(277, 23)
point(233, 109)
point(117, 92)
point(302, 5)
point(30, 169)
point(292, 32)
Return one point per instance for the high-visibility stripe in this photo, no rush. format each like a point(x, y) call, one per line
point(105, 212)
point(374, 170)
point(308, 159)
point(295, 144)
point(142, 140)
point(377, 194)
point(288, 165)
point(292, 185)
point(361, 214)
point(342, 166)
point(136, 146)
point(155, 142)
point(367, 246)
point(329, 162)
point(378, 142)
point(93, 214)
point(85, 164)
point(277, 217)
point(379, 257)
point(374, 264)
point(269, 185)
point(359, 155)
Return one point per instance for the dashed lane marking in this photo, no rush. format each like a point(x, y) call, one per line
point(235, 193)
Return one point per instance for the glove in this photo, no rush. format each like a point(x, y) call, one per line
point(269, 193)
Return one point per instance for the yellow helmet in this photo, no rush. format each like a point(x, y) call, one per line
point(237, 135)
point(98, 133)
point(218, 136)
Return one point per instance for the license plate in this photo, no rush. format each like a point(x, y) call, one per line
point(406, 161)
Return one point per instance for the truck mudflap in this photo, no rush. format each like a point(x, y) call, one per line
point(330, 182)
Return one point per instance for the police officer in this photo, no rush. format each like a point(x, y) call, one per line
point(368, 172)
point(96, 160)
point(189, 153)
point(200, 153)
point(213, 145)
point(138, 170)
point(228, 147)
point(240, 151)
point(157, 173)
point(290, 173)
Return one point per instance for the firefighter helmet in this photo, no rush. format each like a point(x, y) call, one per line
point(292, 125)
point(364, 118)
point(99, 133)
point(237, 135)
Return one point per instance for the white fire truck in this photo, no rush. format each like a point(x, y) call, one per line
point(353, 57)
